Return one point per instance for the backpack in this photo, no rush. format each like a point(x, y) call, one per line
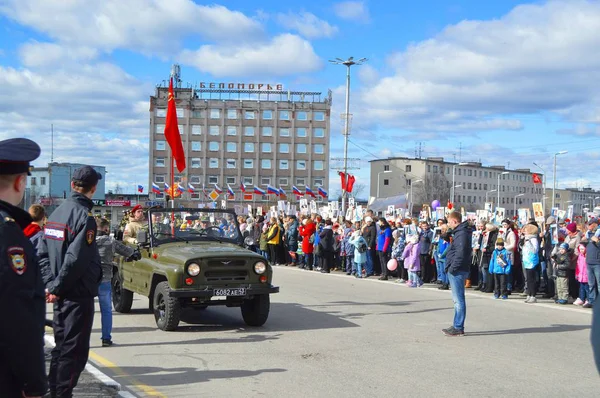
point(362, 247)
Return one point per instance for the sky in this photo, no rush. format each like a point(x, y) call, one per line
point(504, 82)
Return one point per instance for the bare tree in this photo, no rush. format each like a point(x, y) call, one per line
point(435, 187)
point(118, 189)
point(357, 190)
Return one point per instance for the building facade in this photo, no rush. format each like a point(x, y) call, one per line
point(579, 198)
point(431, 179)
point(234, 136)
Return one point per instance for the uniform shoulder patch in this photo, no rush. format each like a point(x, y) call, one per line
point(18, 262)
point(90, 236)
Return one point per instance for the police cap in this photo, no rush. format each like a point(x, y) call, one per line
point(15, 155)
point(86, 176)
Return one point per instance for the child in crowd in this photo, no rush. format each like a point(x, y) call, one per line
point(360, 251)
point(582, 277)
point(264, 248)
point(441, 251)
point(562, 262)
point(500, 267)
point(412, 262)
point(397, 250)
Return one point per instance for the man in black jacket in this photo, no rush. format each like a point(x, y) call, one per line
point(458, 261)
point(22, 365)
point(72, 272)
point(370, 235)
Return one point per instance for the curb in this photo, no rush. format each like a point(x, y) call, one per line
point(94, 371)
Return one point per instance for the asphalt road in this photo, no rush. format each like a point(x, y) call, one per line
point(335, 336)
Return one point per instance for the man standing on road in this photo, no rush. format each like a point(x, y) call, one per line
point(72, 272)
point(458, 261)
point(22, 364)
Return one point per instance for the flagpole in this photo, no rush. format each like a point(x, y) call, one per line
point(172, 194)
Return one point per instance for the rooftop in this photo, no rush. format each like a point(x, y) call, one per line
point(465, 164)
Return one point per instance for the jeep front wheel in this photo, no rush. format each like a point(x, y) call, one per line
point(167, 310)
point(122, 298)
point(256, 311)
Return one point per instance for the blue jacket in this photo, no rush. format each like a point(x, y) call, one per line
point(384, 240)
point(592, 255)
point(442, 250)
point(425, 239)
point(459, 255)
point(359, 258)
point(499, 256)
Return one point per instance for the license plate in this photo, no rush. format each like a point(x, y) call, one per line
point(230, 292)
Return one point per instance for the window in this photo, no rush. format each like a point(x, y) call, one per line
point(267, 114)
point(249, 131)
point(196, 130)
point(213, 163)
point(429, 168)
point(318, 182)
point(231, 130)
point(265, 181)
point(319, 116)
point(196, 146)
point(408, 168)
point(284, 148)
point(318, 165)
point(231, 147)
point(301, 132)
point(386, 167)
point(213, 130)
point(231, 113)
point(160, 178)
point(181, 129)
point(230, 180)
point(161, 112)
point(319, 132)
point(266, 147)
point(248, 147)
point(249, 180)
point(199, 114)
point(159, 162)
point(231, 164)
point(180, 113)
point(159, 145)
point(300, 148)
point(284, 115)
point(284, 132)
point(213, 146)
point(248, 163)
point(196, 163)
point(283, 182)
point(195, 179)
point(249, 115)
point(33, 181)
point(470, 173)
point(284, 164)
point(386, 181)
point(301, 164)
point(267, 131)
point(435, 169)
point(42, 180)
point(213, 179)
point(265, 163)
point(215, 113)
point(319, 149)
point(301, 115)
point(469, 186)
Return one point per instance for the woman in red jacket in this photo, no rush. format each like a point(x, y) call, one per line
point(307, 231)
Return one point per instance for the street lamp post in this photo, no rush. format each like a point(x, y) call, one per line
point(543, 185)
point(554, 177)
point(348, 63)
point(498, 186)
point(453, 174)
point(515, 207)
point(486, 194)
point(411, 195)
point(379, 175)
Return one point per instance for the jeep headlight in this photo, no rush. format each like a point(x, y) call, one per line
point(193, 269)
point(260, 267)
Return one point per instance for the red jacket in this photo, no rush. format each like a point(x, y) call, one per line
point(306, 231)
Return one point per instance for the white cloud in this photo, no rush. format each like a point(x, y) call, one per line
point(146, 26)
point(36, 54)
point(352, 11)
point(285, 54)
point(307, 24)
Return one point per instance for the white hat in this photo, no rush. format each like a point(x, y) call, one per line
point(368, 219)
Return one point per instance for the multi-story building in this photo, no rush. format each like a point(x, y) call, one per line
point(234, 133)
point(431, 179)
point(579, 198)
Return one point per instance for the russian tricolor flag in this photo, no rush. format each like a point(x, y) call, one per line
point(282, 193)
point(296, 191)
point(310, 192)
point(191, 188)
point(140, 188)
point(322, 192)
point(180, 188)
point(167, 187)
point(258, 191)
point(230, 191)
point(217, 189)
point(242, 187)
point(271, 190)
point(155, 188)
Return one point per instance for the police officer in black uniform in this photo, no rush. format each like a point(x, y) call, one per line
point(22, 301)
point(71, 269)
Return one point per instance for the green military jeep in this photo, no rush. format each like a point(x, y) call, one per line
point(194, 258)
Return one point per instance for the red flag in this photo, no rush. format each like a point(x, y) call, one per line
point(350, 184)
point(450, 205)
point(172, 131)
point(343, 176)
point(536, 179)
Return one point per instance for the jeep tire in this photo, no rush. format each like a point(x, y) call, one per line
point(256, 310)
point(167, 310)
point(122, 298)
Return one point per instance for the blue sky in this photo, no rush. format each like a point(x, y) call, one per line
point(507, 81)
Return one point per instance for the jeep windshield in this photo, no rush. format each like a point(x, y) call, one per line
point(178, 225)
